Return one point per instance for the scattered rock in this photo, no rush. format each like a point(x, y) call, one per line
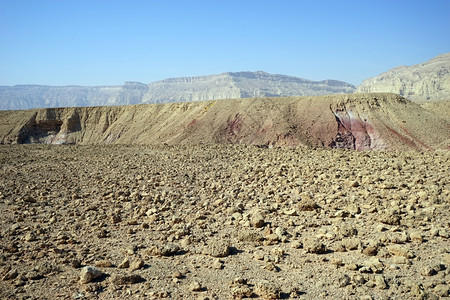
point(75, 263)
point(271, 267)
point(201, 199)
point(241, 291)
point(400, 251)
point(347, 230)
point(257, 220)
point(30, 237)
point(272, 239)
point(218, 248)
point(89, 274)
point(352, 183)
point(132, 222)
point(372, 265)
point(250, 236)
point(124, 264)
point(380, 228)
point(402, 238)
point(267, 290)
point(416, 236)
point(444, 233)
point(351, 243)
point(358, 279)
point(126, 279)
point(136, 264)
point(343, 280)
point(442, 290)
point(430, 270)
point(116, 218)
point(11, 274)
point(131, 250)
point(400, 260)
point(103, 263)
point(370, 251)
point(296, 244)
point(339, 247)
point(195, 286)
point(380, 282)
point(170, 249)
point(34, 275)
point(291, 212)
point(29, 199)
point(307, 204)
point(390, 218)
point(280, 232)
point(446, 259)
point(314, 246)
point(258, 255)
point(353, 209)
point(217, 264)
point(153, 251)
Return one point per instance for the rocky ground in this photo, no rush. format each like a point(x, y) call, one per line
point(222, 222)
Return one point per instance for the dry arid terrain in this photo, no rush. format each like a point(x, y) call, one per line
point(222, 222)
point(351, 121)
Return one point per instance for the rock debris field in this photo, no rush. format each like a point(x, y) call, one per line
point(222, 222)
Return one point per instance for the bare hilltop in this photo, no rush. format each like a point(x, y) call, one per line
point(350, 121)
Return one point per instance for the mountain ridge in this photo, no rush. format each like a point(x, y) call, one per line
point(227, 85)
point(422, 82)
point(425, 82)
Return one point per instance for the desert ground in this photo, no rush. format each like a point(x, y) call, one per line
point(222, 222)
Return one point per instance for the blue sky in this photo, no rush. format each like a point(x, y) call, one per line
point(95, 42)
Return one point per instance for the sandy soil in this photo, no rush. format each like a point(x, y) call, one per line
point(222, 222)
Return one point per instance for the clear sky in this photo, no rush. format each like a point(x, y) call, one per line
point(108, 42)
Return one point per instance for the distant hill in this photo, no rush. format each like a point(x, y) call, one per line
point(184, 89)
point(350, 121)
point(428, 81)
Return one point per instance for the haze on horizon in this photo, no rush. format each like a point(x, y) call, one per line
point(110, 42)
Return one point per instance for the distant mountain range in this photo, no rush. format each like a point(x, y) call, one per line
point(422, 82)
point(184, 89)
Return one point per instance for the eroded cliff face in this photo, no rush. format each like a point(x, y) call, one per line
point(351, 121)
point(421, 82)
point(184, 89)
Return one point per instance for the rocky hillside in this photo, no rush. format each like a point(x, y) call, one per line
point(186, 89)
point(351, 121)
point(422, 82)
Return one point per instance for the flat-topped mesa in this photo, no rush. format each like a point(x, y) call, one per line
point(184, 89)
point(351, 121)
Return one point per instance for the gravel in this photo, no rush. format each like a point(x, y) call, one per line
point(214, 222)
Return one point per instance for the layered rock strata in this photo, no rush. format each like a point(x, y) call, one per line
point(351, 121)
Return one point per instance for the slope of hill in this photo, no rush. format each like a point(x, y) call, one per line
point(422, 82)
point(440, 108)
point(351, 121)
point(185, 89)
